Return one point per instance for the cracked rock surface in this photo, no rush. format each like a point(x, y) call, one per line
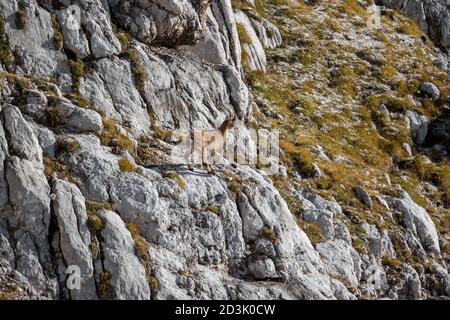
point(93, 94)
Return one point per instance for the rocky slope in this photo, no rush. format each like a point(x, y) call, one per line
point(94, 92)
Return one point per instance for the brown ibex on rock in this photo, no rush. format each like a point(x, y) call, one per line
point(211, 140)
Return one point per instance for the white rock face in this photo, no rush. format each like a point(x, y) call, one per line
point(73, 237)
point(26, 189)
point(74, 38)
point(323, 219)
point(34, 43)
point(418, 221)
point(226, 235)
point(128, 279)
point(115, 94)
point(220, 44)
point(341, 260)
point(255, 55)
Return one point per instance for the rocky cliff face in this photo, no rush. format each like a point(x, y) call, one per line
point(93, 92)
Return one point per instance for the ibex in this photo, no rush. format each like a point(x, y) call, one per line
point(211, 140)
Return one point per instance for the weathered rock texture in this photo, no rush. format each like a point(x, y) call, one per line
point(90, 92)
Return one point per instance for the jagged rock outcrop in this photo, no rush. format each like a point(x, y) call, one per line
point(254, 56)
point(418, 221)
point(73, 238)
point(127, 279)
point(94, 95)
point(166, 22)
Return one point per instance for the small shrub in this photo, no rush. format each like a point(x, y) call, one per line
point(410, 27)
point(139, 242)
point(114, 139)
point(77, 70)
point(175, 176)
point(359, 245)
point(2, 26)
point(307, 104)
point(126, 165)
point(95, 250)
point(69, 145)
point(163, 134)
point(298, 157)
point(234, 183)
point(79, 100)
point(6, 55)
point(444, 182)
point(311, 230)
point(214, 209)
point(52, 166)
point(352, 8)
point(124, 39)
point(388, 72)
point(153, 282)
point(402, 88)
point(52, 118)
point(95, 223)
point(158, 132)
point(104, 287)
point(268, 233)
point(93, 207)
point(344, 78)
point(57, 35)
point(391, 262)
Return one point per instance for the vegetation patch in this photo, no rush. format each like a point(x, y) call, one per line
point(142, 253)
point(137, 68)
point(175, 176)
point(69, 145)
point(6, 54)
point(77, 70)
point(95, 223)
point(57, 34)
point(214, 209)
point(105, 289)
point(93, 207)
point(268, 233)
point(53, 166)
point(114, 139)
point(126, 165)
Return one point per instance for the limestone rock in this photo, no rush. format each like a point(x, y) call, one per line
point(431, 90)
point(128, 280)
point(417, 220)
point(419, 126)
point(76, 119)
point(255, 56)
point(74, 237)
point(364, 196)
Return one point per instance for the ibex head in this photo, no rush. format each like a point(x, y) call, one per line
point(228, 123)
